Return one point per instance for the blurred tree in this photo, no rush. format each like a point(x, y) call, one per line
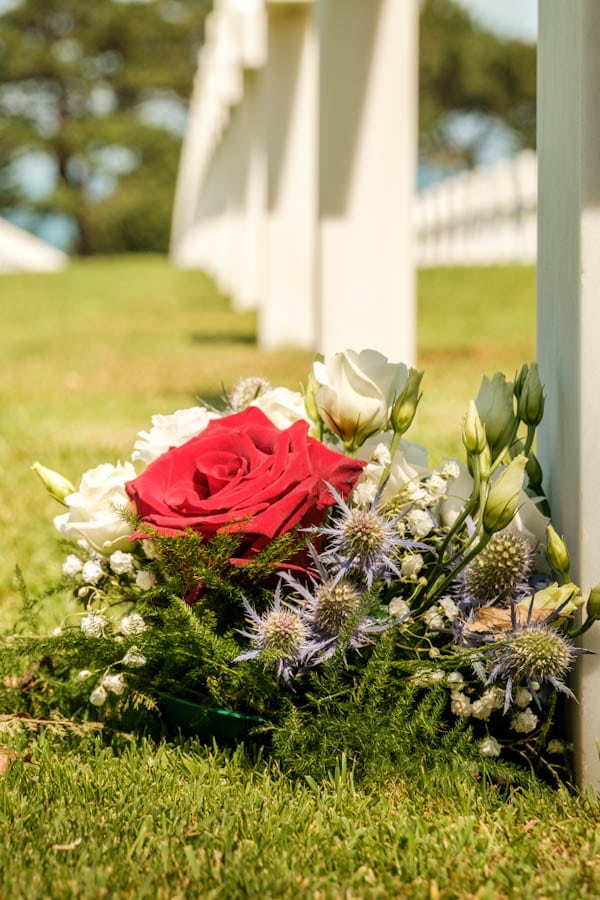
point(97, 91)
point(466, 70)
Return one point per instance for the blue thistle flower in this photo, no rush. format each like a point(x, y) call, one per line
point(334, 610)
point(499, 573)
point(362, 540)
point(280, 635)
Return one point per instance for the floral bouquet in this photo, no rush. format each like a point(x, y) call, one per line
point(293, 559)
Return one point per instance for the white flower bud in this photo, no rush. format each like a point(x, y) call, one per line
point(98, 696)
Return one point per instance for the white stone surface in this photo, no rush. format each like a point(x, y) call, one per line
point(569, 313)
point(21, 251)
point(367, 162)
point(287, 314)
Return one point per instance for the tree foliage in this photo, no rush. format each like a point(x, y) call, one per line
point(97, 88)
point(466, 69)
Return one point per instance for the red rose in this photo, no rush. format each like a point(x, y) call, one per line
point(243, 474)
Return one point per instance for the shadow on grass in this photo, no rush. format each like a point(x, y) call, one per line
point(225, 337)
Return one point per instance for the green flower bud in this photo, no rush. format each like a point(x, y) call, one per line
point(520, 380)
point(530, 403)
point(56, 485)
point(534, 471)
point(495, 406)
point(503, 497)
point(309, 398)
point(405, 405)
point(474, 437)
point(593, 603)
point(558, 555)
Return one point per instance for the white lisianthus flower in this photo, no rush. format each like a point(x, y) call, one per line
point(114, 683)
point(145, 579)
point(93, 624)
point(282, 406)
point(120, 562)
point(489, 746)
point(528, 520)
point(72, 565)
point(355, 393)
point(98, 696)
point(132, 624)
point(96, 509)
point(171, 431)
point(92, 572)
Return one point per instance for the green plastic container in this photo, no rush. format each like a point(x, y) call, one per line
point(208, 723)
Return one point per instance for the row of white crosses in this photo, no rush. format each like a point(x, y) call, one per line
point(298, 169)
point(295, 193)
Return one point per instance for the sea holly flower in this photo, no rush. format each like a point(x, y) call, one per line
point(499, 572)
point(246, 391)
point(356, 392)
point(280, 634)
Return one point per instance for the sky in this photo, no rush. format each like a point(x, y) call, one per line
point(512, 18)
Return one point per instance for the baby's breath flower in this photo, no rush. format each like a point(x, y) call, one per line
point(455, 680)
point(399, 608)
point(98, 696)
point(420, 523)
point(120, 562)
point(56, 632)
point(450, 470)
point(134, 659)
point(436, 485)
point(132, 624)
point(114, 683)
point(72, 565)
point(556, 746)
point(491, 700)
point(522, 697)
point(149, 548)
point(93, 625)
point(381, 455)
point(449, 608)
point(433, 619)
point(489, 746)
point(524, 721)
point(83, 674)
point(411, 565)
point(364, 493)
point(460, 704)
point(145, 579)
point(92, 572)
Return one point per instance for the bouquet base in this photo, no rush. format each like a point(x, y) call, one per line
point(208, 723)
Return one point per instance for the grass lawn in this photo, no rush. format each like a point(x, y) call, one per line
point(88, 356)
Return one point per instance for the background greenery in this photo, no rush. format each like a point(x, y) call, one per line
point(89, 355)
point(95, 95)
